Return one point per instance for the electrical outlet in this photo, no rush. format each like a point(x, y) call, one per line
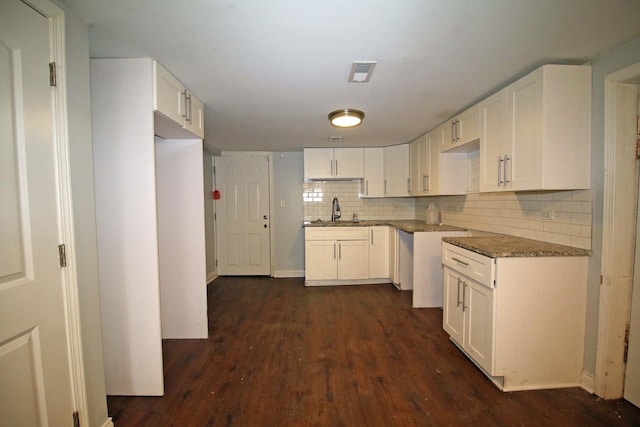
point(547, 215)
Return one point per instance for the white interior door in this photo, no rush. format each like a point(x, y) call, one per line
point(243, 217)
point(35, 381)
point(632, 373)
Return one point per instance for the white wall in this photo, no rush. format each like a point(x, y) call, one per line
point(288, 234)
point(81, 167)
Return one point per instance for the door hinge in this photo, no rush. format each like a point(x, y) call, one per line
point(52, 74)
point(216, 263)
point(215, 216)
point(62, 254)
point(76, 419)
point(637, 148)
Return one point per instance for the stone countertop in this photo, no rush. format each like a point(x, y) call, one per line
point(408, 226)
point(511, 246)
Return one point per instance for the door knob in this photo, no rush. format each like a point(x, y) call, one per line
point(265, 226)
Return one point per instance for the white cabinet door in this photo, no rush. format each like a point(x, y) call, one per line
point(348, 163)
point(477, 305)
point(321, 260)
point(396, 170)
point(194, 121)
point(461, 129)
point(169, 95)
point(373, 172)
point(494, 146)
point(353, 259)
point(330, 163)
point(415, 175)
point(452, 315)
point(318, 163)
point(379, 252)
point(393, 256)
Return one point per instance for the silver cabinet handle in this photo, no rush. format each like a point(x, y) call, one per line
point(408, 185)
point(506, 169)
point(189, 108)
point(385, 186)
point(336, 168)
point(458, 302)
point(184, 112)
point(500, 166)
point(339, 250)
point(466, 264)
point(371, 231)
point(332, 168)
point(366, 187)
point(334, 251)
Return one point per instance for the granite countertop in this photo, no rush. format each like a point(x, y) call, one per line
point(511, 246)
point(408, 226)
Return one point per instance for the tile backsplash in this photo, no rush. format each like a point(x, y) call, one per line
point(562, 217)
point(317, 197)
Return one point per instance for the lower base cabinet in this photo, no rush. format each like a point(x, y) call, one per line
point(336, 254)
point(521, 319)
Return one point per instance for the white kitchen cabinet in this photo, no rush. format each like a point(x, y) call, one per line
point(440, 173)
point(461, 129)
point(521, 319)
point(174, 101)
point(373, 172)
point(149, 207)
point(396, 171)
point(379, 252)
point(333, 163)
point(543, 140)
point(336, 254)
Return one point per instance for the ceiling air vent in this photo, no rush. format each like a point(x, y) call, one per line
point(335, 139)
point(361, 71)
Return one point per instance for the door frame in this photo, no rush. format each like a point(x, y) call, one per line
point(269, 154)
point(56, 19)
point(619, 218)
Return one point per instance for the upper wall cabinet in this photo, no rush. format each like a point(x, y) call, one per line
point(396, 171)
point(536, 132)
point(373, 172)
point(333, 163)
point(175, 102)
point(461, 129)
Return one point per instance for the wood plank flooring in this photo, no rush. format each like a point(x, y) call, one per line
point(280, 354)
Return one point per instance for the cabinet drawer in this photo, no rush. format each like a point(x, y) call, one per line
point(473, 265)
point(336, 233)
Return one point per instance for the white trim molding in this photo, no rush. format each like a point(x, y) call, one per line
point(288, 273)
point(618, 229)
point(55, 15)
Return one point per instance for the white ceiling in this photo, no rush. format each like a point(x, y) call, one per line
point(269, 72)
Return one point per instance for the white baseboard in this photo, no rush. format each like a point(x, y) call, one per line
point(588, 382)
point(288, 273)
point(108, 423)
point(211, 276)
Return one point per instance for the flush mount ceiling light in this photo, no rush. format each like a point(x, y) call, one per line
point(346, 118)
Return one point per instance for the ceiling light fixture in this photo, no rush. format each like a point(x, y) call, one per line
point(346, 118)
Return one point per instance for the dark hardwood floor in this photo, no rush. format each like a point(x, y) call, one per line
point(280, 354)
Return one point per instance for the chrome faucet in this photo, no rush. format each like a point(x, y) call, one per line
point(335, 209)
